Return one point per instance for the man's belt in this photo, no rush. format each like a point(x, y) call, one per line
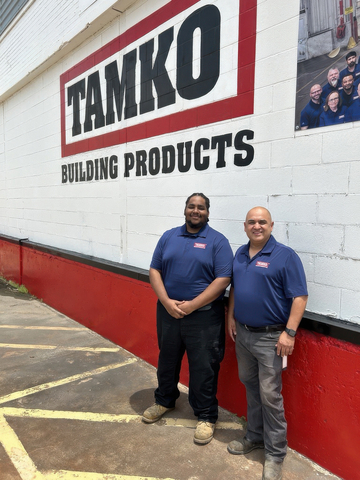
point(266, 329)
point(209, 306)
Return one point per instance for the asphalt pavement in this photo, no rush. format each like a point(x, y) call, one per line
point(71, 404)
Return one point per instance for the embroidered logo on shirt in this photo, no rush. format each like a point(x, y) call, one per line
point(342, 116)
point(200, 245)
point(262, 264)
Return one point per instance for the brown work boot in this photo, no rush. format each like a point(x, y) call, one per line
point(272, 470)
point(243, 446)
point(154, 413)
point(204, 432)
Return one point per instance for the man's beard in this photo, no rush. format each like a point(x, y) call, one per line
point(334, 82)
point(196, 225)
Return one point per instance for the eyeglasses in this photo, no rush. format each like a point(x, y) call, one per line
point(336, 99)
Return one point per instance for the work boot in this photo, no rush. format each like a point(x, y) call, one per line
point(243, 446)
point(154, 413)
point(204, 432)
point(272, 470)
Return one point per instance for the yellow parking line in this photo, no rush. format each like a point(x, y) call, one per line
point(178, 422)
point(17, 453)
point(63, 381)
point(106, 417)
point(35, 327)
point(68, 415)
point(28, 471)
point(53, 347)
point(67, 475)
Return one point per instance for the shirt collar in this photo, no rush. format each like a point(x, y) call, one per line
point(201, 233)
point(269, 246)
point(266, 250)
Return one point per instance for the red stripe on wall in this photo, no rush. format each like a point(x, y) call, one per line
point(114, 306)
point(10, 260)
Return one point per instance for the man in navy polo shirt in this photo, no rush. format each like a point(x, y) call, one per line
point(309, 117)
point(353, 113)
point(352, 67)
point(349, 93)
point(267, 301)
point(333, 83)
point(189, 272)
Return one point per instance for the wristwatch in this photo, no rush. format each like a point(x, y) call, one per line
point(290, 332)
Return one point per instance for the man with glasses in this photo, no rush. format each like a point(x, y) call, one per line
point(310, 115)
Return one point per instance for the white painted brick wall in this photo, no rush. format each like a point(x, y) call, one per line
point(351, 244)
point(308, 260)
point(321, 179)
point(324, 299)
point(350, 301)
point(339, 209)
point(294, 208)
point(307, 151)
point(319, 239)
point(61, 21)
point(271, 16)
point(337, 272)
point(309, 180)
point(335, 150)
point(354, 179)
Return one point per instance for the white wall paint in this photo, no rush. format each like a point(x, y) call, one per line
point(309, 180)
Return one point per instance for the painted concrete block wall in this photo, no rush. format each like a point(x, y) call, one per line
point(46, 28)
point(308, 180)
point(2, 168)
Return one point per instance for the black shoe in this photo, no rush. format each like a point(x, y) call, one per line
point(272, 470)
point(243, 446)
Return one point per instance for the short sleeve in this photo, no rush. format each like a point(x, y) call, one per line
point(304, 120)
point(156, 261)
point(223, 260)
point(294, 277)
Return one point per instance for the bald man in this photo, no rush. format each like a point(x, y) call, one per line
point(267, 301)
point(310, 115)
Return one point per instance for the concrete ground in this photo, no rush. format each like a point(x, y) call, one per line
point(71, 404)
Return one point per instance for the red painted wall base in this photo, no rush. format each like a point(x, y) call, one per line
point(321, 386)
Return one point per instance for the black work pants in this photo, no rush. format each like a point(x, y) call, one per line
point(202, 335)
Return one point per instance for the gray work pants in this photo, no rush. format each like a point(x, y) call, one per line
point(260, 371)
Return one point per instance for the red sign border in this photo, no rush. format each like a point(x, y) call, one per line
point(240, 105)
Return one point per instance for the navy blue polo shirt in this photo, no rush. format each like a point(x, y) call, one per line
point(189, 262)
point(310, 115)
point(353, 112)
point(264, 287)
point(355, 73)
point(326, 89)
point(348, 100)
point(333, 118)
